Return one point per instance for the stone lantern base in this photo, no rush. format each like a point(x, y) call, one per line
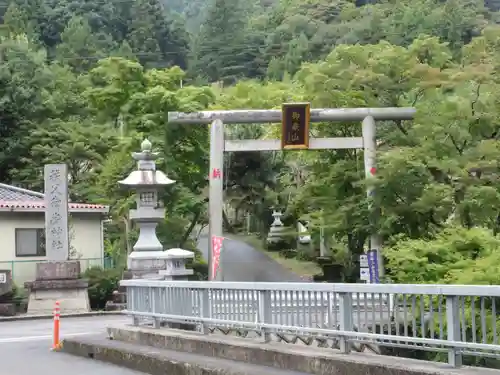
point(147, 264)
point(152, 265)
point(160, 265)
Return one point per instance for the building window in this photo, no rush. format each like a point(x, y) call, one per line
point(30, 242)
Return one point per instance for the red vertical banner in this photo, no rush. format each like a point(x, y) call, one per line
point(216, 250)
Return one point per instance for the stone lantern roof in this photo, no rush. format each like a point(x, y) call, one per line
point(146, 175)
point(177, 253)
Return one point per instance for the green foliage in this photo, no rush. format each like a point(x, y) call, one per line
point(453, 255)
point(288, 253)
point(221, 47)
point(102, 283)
point(16, 295)
point(84, 82)
point(200, 269)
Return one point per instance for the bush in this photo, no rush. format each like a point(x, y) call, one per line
point(102, 283)
point(453, 256)
point(200, 269)
point(16, 295)
point(305, 255)
point(284, 244)
point(288, 253)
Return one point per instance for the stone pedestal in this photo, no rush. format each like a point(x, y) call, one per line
point(7, 306)
point(141, 265)
point(150, 265)
point(160, 265)
point(58, 281)
point(169, 265)
point(147, 264)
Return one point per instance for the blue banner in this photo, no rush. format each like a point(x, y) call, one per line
point(373, 266)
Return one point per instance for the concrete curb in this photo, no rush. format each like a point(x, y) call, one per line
point(154, 362)
point(291, 357)
point(50, 316)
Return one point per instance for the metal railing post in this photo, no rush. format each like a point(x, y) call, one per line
point(156, 323)
point(453, 329)
point(204, 301)
point(346, 323)
point(155, 297)
point(132, 303)
point(265, 313)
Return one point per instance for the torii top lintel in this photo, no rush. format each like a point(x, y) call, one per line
point(250, 116)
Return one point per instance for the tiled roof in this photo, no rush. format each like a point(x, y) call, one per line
point(35, 204)
point(12, 193)
point(12, 197)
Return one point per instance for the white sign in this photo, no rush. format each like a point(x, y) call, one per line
point(363, 261)
point(364, 274)
point(3, 278)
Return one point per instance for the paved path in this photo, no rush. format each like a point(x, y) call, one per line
point(25, 347)
point(241, 262)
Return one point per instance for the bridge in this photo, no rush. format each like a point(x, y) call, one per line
point(270, 328)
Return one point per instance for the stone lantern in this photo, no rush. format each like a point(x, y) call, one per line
point(148, 260)
point(147, 257)
point(176, 264)
point(275, 234)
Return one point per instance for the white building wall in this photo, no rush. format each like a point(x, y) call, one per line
point(86, 242)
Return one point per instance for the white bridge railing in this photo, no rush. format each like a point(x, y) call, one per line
point(454, 319)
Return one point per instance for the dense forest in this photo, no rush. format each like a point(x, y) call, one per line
point(84, 82)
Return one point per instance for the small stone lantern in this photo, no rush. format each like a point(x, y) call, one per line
point(147, 257)
point(176, 264)
point(275, 234)
point(277, 219)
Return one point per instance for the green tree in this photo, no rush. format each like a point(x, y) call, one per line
point(221, 49)
point(155, 38)
point(80, 48)
point(25, 91)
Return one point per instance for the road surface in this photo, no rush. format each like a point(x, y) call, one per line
point(241, 262)
point(25, 347)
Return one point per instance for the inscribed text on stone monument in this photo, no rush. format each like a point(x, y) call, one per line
point(56, 212)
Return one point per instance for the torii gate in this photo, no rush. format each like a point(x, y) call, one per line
point(295, 119)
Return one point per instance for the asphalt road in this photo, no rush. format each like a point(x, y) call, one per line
point(25, 347)
point(241, 262)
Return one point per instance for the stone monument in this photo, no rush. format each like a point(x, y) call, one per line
point(7, 307)
point(58, 279)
